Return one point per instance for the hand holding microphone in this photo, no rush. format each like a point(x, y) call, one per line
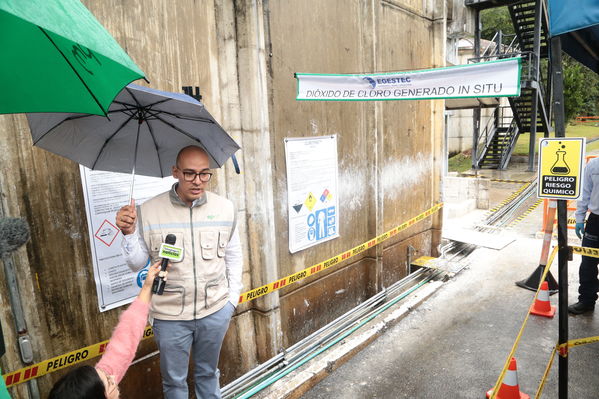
point(168, 251)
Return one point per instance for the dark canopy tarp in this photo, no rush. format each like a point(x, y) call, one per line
point(577, 23)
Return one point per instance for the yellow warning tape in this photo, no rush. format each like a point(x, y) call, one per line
point(510, 198)
point(562, 350)
point(545, 374)
point(586, 251)
point(89, 352)
point(570, 221)
point(519, 336)
point(317, 268)
point(60, 362)
point(575, 342)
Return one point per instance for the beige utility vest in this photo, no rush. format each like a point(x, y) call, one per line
point(197, 285)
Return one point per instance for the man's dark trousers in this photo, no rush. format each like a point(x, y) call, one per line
point(587, 274)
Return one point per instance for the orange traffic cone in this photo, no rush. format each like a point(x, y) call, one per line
point(542, 306)
point(509, 388)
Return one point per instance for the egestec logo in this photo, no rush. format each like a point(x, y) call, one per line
point(371, 81)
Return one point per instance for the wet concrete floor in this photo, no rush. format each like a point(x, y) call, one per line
point(454, 345)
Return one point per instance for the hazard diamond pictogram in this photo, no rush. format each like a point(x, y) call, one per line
point(310, 201)
point(107, 232)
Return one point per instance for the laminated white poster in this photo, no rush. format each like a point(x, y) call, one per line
point(105, 193)
point(312, 189)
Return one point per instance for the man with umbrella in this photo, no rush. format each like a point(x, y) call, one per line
point(193, 314)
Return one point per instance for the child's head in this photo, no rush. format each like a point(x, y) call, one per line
point(83, 382)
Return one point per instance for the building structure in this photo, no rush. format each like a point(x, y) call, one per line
point(242, 54)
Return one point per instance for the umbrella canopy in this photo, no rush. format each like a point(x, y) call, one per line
point(56, 57)
point(145, 131)
point(578, 27)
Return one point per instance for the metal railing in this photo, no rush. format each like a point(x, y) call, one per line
point(512, 135)
point(528, 67)
point(499, 119)
point(497, 45)
point(485, 138)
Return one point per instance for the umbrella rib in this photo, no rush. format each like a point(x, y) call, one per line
point(70, 118)
point(129, 110)
point(144, 108)
point(188, 135)
point(74, 70)
point(186, 117)
point(110, 138)
point(138, 104)
point(155, 145)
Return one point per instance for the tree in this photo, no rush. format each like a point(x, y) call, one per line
point(581, 92)
point(581, 85)
point(496, 19)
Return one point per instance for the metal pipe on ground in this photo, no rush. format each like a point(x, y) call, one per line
point(305, 349)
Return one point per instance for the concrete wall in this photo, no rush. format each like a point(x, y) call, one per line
point(463, 194)
point(243, 55)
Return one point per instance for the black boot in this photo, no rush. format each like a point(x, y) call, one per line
point(580, 307)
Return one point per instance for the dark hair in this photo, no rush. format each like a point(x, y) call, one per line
point(81, 383)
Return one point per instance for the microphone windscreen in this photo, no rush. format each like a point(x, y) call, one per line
point(170, 239)
point(14, 232)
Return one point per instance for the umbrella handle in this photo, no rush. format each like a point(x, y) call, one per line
point(236, 164)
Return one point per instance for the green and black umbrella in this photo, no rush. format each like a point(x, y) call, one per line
point(56, 57)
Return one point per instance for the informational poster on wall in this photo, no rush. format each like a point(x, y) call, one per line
point(105, 193)
point(312, 187)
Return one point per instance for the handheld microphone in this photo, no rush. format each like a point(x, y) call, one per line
point(14, 232)
point(167, 252)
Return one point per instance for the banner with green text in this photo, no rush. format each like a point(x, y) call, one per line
point(500, 78)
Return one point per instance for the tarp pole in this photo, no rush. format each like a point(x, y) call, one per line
point(562, 226)
point(536, 65)
point(476, 111)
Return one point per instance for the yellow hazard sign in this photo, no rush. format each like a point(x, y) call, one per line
point(310, 201)
point(560, 167)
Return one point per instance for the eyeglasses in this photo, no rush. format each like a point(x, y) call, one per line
point(191, 176)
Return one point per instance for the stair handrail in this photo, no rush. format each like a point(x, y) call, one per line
point(514, 45)
point(490, 43)
point(496, 48)
point(502, 117)
point(507, 151)
point(486, 137)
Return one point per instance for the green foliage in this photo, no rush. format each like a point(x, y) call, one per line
point(495, 19)
point(581, 85)
point(581, 89)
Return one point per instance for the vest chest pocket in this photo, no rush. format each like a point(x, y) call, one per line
point(223, 240)
point(154, 244)
point(208, 244)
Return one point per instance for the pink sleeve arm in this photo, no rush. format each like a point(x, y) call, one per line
point(124, 340)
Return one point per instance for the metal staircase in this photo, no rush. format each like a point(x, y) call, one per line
point(532, 110)
point(497, 141)
point(524, 20)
